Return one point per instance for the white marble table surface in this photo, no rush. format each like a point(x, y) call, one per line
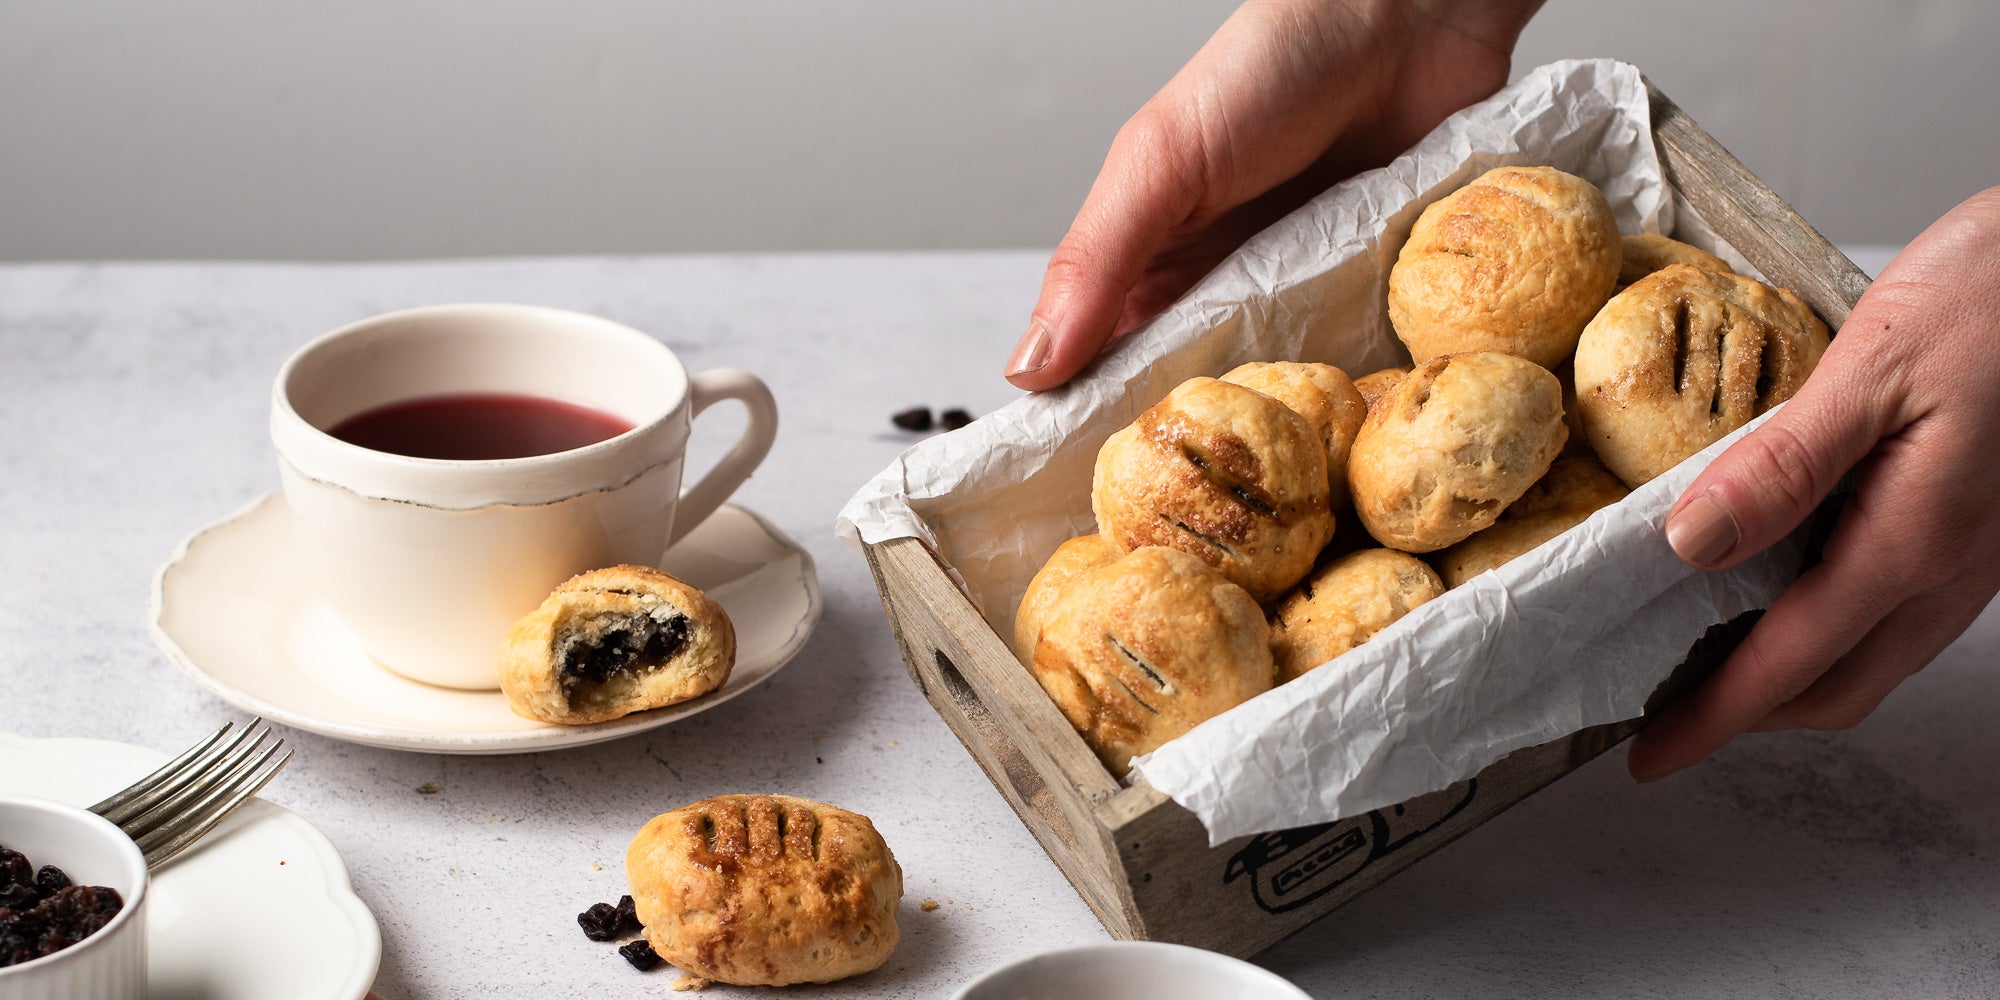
point(132, 404)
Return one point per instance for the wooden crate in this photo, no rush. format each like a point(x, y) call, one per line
point(1140, 860)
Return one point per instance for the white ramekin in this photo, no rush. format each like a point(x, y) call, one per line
point(1131, 970)
point(110, 964)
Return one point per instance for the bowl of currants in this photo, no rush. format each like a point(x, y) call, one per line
point(72, 904)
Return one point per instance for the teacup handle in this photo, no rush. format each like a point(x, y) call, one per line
point(705, 390)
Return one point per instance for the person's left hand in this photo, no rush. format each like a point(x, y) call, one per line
point(1909, 394)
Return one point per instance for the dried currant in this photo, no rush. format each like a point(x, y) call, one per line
point(17, 948)
point(628, 916)
point(641, 954)
point(49, 879)
point(916, 419)
point(953, 419)
point(15, 868)
point(600, 922)
point(19, 895)
point(21, 923)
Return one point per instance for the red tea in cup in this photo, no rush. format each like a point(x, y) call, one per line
point(479, 426)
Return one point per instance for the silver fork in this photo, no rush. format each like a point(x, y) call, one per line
point(167, 811)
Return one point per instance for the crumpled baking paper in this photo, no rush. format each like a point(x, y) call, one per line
point(1577, 633)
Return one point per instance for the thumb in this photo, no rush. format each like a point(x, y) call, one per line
point(1147, 186)
point(1764, 485)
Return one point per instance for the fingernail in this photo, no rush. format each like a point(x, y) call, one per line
point(1032, 354)
point(1648, 775)
point(1704, 532)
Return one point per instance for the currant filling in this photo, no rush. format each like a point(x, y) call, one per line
point(632, 642)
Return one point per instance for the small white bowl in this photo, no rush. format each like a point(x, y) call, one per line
point(107, 965)
point(1131, 970)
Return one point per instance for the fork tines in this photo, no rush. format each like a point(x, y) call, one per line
point(170, 809)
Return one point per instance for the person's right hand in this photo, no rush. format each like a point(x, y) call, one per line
point(1287, 97)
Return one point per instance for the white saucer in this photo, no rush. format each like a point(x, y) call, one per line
point(240, 617)
point(260, 908)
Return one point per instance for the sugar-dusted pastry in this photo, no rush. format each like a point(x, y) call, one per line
point(1143, 650)
point(1374, 385)
point(1071, 559)
point(615, 641)
point(765, 890)
point(1648, 252)
point(1683, 357)
point(1225, 473)
point(1343, 605)
point(1516, 261)
point(1574, 488)
point(1320, 393)
point(1461, 438)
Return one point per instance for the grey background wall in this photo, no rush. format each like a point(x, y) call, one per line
point(404, 128)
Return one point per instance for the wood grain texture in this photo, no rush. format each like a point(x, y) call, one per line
point(1027, 749)
point(1750, 217)
point(1140, 860)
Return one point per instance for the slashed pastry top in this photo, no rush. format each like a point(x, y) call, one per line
point(1225, 473)
point(1344, 604)
point(615, 641)
point(1144, 649)
point(1517, 261)
point(1683, 357)
point(765, 890)
point(1323, 395)
point(1574, 488)
point(1451, 446)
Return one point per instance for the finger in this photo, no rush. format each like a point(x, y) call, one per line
point(1817, 619)
point(1149, 184)
point(1904, 642)
point(1764, 485)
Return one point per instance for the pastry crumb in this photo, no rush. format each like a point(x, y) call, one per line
point(428, 788)
point(689, 982)
point(594, 866)
point(928, 905)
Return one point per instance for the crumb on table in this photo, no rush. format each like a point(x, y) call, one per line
point(928, 905)
point(689, 982)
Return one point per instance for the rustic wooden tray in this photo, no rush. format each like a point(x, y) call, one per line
point(1142, 862)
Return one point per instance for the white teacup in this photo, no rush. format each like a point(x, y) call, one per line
point(427, 560)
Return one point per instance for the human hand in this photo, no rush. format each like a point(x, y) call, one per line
point(1908, 393)
point(1287, 97)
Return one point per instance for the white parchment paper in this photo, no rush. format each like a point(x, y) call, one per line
point(1577, 633)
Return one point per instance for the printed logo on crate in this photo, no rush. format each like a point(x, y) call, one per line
point(1290, 868)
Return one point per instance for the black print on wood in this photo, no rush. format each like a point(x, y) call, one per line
point(1290, 868)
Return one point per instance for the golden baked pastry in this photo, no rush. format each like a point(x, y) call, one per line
point(1320, 393)
point(1461, 438)
point(1143, 650)
point(1648, 252)
point(615, 641)
point(1575, 444)
point(1374, 385)
point(1516, 261)
point(1683, 357)
point(1225, 473)
point(1343, 605)
point(1071, 559)
point(765, 890)
point(1575, 488)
